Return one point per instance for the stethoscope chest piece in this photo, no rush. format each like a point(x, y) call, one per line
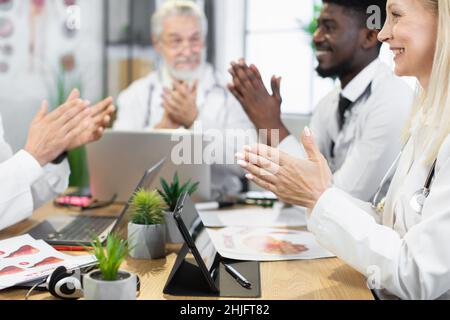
point(418, 200)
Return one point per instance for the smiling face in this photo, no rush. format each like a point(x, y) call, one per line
point(336, 39)
point(411, 32)
point(181, 43)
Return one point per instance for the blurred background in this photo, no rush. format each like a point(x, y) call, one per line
point(48, 47)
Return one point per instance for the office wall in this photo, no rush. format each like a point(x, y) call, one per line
point(27, 83)
point(229, 33)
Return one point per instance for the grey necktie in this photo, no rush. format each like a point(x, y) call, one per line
point(344, 105)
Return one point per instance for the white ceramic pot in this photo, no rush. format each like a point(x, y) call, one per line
point(173, 235)
point(95, 288)
point(147, 242)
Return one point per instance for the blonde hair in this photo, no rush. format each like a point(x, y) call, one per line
point(434, 101)
point(172, 8)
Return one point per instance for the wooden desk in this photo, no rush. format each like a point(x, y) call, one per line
point(286, 280)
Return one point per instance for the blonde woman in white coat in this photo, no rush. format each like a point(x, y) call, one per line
point(402, 243)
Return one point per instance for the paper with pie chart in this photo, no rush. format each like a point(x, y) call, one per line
point(23, 259)
point(254, 217)
point(266, 244)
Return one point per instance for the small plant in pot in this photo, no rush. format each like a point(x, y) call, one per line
point(146, 230)
point(110, 283)
point(170, 193)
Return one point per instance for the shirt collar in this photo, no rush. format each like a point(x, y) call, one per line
point(359, 84)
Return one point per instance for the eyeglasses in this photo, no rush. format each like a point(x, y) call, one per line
point(178, 44)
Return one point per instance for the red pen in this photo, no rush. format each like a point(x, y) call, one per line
point(71, 248)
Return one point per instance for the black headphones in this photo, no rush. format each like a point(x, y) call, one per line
point(68, 285)
point(65, 284)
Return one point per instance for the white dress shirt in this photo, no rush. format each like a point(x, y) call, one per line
point(404, 251)
point(370, 140)
point(25, 185)
point(140, 108)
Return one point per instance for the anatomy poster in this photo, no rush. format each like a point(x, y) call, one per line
point(36, 38)
point(26, 26)
point(266, 244)
point(23, 259)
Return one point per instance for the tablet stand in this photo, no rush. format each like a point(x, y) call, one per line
point(186, 279)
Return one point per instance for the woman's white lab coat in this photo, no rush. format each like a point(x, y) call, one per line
point(25, 185)
point(403, 253)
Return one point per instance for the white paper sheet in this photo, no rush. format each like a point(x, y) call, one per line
point(254, 217)
point(24, 259)
point(266, 244)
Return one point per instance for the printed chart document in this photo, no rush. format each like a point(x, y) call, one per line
point(24, 259)
point(255, 217)
point(266, 244)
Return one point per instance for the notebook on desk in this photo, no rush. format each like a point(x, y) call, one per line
point(80, 230)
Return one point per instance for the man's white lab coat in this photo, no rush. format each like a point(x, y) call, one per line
point(25, 185)
point(140, 108)
point(361, 153)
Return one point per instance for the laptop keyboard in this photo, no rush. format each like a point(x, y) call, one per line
point(84, 229)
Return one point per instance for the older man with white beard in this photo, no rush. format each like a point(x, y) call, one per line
point(185, 89)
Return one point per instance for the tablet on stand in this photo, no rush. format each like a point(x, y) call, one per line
point(200, 270)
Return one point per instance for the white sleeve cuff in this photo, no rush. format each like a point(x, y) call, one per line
point(57, 176)
point(336, 211)
point(342, 226)
point(29, 166)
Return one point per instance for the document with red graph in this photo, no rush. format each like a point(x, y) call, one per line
point(24, 259)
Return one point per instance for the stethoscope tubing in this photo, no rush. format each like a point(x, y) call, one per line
point(425, 191)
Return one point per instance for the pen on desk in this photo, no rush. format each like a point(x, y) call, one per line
point(71, 248)
point(239, 277)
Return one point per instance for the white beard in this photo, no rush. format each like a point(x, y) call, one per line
point(187, 75)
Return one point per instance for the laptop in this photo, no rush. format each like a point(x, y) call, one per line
point(69, 230)
point(119, 158)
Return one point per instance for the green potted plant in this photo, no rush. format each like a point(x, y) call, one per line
point(311, 27)
point(146, 229)
point(170, 193)
point(65, 79)
point(110, 283)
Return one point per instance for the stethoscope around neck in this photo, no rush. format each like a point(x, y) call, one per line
point(417, 200)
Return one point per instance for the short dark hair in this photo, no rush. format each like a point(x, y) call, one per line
point(360, 7)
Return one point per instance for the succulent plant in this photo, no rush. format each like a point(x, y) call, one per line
point(111, 256)
point(172, 192)
point(147, 208)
